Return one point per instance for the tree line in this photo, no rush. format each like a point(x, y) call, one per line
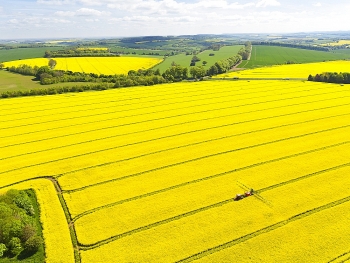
point(80, 52)
point(331, 77)
point(19, 229)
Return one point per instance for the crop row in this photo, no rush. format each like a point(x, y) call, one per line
point(262, 175)
point(33, 164)
point(101, 135)
point(314, 235)
point(163, 208)
point(76, 119)
point(219, 227)
point(129, 106)
point(188, 169)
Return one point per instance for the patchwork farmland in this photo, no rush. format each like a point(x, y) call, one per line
point(149, 170)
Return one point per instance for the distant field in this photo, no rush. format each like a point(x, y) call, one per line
point(272, 55)
point(139, 51)
point(338, 43)
point(24, 53)
point(183, 60)
point(98, 65)
point(301, 71)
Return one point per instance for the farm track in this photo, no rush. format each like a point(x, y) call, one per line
point(264, 230)
point(200, 158)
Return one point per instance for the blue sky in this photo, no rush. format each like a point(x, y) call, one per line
point(112, 18)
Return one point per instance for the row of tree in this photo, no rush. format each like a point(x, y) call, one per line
point(79, 52)
point(331, 77)
point(245, 52)
point(18, 224)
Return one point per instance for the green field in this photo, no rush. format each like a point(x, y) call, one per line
point(24, 53)
point(185, 60)
point(12, 81)
point(139, 51)
point(273, 55)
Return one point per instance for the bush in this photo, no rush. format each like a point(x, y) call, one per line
point(28, 231)
point(33, 244)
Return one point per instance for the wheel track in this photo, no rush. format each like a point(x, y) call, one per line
point(264, 230)
point(72, 125)
point(218, 204)
point(164, 190)
point(171, 93)
point(169, 136)
point(341, 258)
point(190, 160)
point(79, 133)
point(93, 115)
point(121, 105)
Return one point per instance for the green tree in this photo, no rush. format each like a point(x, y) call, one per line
point(33, 244)
point(15, 246)
point(2, 65)
point(41, 70)
point(197, 72)
point(52, 63)
point(27, 232)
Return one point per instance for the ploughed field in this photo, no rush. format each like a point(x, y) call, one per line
point(97, 65)
point(149, 173)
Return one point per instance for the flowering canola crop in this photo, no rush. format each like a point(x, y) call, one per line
point(152, 169)
point(298, 71)
point(97, 65)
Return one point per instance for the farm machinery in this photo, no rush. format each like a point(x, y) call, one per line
point(248, 191)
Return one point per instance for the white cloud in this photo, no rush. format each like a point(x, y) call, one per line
point(318, 4)
point(265, 3)
point(88, 12)
point(55, 2)
point(82, 12)
point(65, 13)
point(92, 20)
point(13, 21)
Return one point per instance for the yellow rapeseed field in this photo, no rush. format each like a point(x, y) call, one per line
point(152, 169)
point(98, 65)
point(338, 43)
point(299, 71)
